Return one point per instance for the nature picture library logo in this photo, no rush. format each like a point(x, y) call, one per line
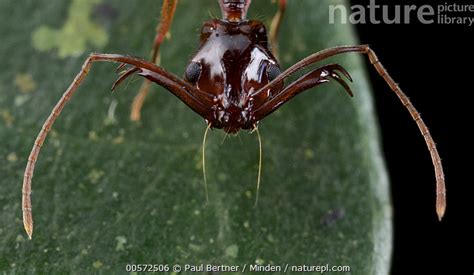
point(373, 13)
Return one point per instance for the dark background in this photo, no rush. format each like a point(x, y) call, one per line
point(433, 65)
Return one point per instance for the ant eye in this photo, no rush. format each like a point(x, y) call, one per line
point(273, 71)
point(193, 72)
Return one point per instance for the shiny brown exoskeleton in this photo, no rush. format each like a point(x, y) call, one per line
point(232, 69)
point(233, 82)
point(231, 65)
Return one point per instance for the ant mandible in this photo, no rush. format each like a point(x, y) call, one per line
point(233, 82)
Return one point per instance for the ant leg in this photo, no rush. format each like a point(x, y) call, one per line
point(180, 88)
point(275, 27)
point(167, 12)
point(266, 109)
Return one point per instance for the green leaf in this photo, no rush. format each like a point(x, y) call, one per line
point(109, 192)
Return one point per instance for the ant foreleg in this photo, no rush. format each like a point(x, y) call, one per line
point(167, 12)
point(275, 27)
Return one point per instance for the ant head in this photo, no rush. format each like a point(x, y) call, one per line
point(234, 10)
point(231, 64)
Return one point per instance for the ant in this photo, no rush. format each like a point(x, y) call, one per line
point(233, 82)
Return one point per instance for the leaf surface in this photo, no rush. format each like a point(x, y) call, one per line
point(109, 192)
